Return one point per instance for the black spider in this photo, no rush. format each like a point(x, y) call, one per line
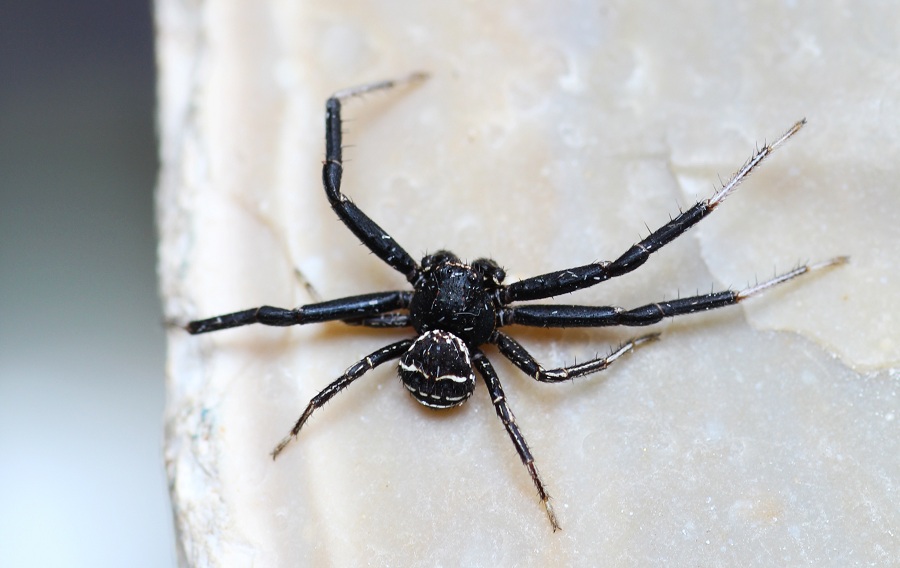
point(455, 307)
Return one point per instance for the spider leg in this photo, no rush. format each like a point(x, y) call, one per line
point(521, 358)
point(352, 307)
point(486, 370)
point(544, 315)
point(367, 231)
point(357, 370)
point(390, 319)
point(565, 281)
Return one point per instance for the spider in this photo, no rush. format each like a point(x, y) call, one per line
point(455, 307)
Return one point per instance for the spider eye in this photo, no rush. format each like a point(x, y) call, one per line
point(440, 257)
point(489, 270)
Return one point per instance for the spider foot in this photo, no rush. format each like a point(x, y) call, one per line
point(414, 77)
point(642, 339)
point(551, 515)
point(800, 270)
point(282, 445)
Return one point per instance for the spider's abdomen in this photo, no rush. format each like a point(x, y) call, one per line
point(453, 298)
point(437, 370)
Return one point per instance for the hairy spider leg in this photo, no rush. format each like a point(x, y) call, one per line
point(550, 315)
point(367, 231)
point(352, 307)
point(358, 369)
point(387, 320)
point(486, 370)
point(565, 281)
point(521, 358)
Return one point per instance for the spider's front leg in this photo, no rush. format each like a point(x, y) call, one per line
point(486, 370)
point(558, 315)
point(367, 231)
point(565, 281)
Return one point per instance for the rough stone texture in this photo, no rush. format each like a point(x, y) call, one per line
point(548, 136)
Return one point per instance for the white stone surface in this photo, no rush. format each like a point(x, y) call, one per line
point(548, 136)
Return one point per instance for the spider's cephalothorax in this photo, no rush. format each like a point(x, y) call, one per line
point(454, 307)
point(456, 297)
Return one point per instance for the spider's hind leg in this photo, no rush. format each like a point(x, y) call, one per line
point(486, 370)
point(367, 231)
point(357, 370)
point(521, 358)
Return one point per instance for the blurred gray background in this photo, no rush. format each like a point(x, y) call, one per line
point(81, 335)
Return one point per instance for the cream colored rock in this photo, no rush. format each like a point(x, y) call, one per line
point(548, 135)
